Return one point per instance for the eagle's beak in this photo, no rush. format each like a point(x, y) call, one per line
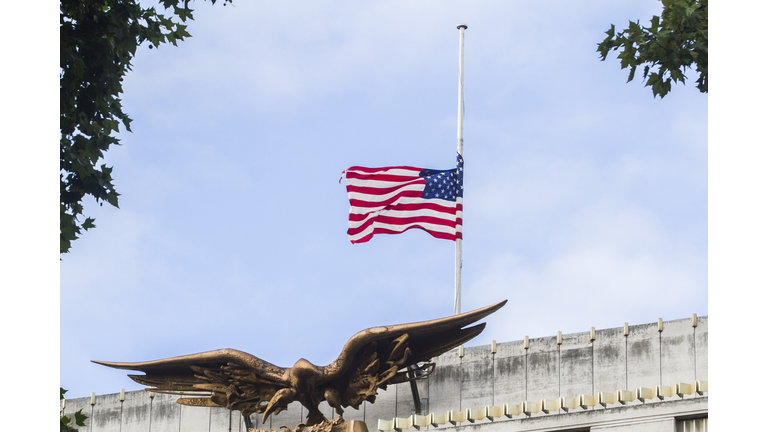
point(281, 398)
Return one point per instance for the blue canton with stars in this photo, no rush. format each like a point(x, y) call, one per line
point(446, 184)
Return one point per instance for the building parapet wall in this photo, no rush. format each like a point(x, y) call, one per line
point(548, 368)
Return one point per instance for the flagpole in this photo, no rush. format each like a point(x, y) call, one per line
point(460, 151)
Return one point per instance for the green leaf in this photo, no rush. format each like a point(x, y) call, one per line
point(631, 73)
point(654, 24)
point(80, 418)
point(88, 224)
point(677, 75)
point(182, 13)
point(112, 198)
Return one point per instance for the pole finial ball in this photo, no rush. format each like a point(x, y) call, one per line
point(461, 26)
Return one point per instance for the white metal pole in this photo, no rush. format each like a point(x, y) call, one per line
point(460, 151)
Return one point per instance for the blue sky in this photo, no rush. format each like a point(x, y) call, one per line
point(587, 192)
point(585, 197)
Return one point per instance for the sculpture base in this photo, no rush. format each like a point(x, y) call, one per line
point(335, 425)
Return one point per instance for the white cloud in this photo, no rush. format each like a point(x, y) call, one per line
point(602, 266)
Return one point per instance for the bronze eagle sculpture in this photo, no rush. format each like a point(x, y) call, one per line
point(371, 359)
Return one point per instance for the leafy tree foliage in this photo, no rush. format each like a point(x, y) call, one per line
point(98, 39)
point(673, 43)
point(64, 425)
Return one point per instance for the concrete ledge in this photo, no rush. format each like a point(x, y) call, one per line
point(633, 418)
point(545, 406)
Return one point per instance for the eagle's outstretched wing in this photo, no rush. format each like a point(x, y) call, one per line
point(226, 377)
point(379, 356)
point(371, 359)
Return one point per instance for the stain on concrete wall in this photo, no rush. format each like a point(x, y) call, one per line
point(477, 377)
point(702, 342)
point(509, 373)
point(543, 369)
point(610, 360)
point(643, 356)
point(445, 383)
point(576, 365)
point(677, 350)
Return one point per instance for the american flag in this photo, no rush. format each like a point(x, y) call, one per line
point(392, 200)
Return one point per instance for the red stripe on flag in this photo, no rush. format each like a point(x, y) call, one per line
point(401, 221)
point(383, 177)
point(356, 217)
point(440, 235)
point(384, 191)
point(386, 202)
point(378, 170)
